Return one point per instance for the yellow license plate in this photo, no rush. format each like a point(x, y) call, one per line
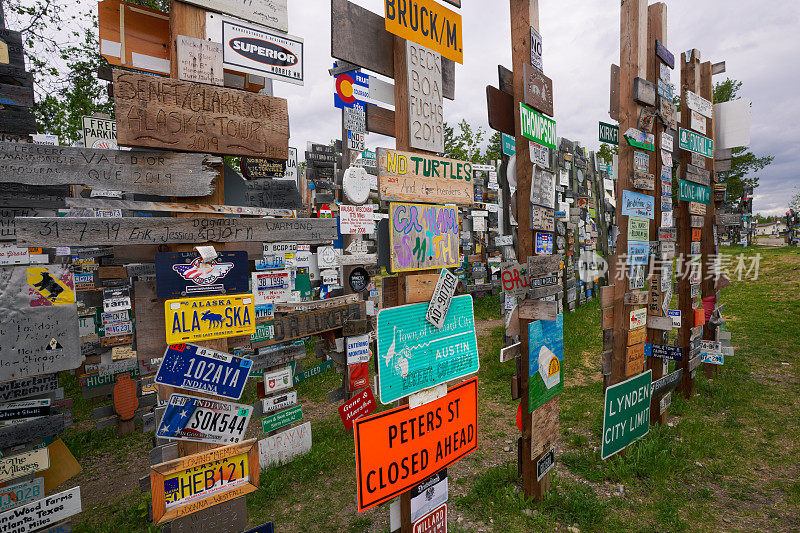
point(204, 481)
point(209, 317)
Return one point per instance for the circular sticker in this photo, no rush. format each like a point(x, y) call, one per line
point(355, 185)
point(359, 279)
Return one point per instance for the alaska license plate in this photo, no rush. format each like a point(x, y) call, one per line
point(204, 481)
point(209, 317)
point(204, 420)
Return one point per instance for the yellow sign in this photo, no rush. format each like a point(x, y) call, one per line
point(200, 482)
point(428, 24)
point(47, 285)
point(209, 317)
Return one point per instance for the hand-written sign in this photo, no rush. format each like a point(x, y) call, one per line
point(423, 236)
point(255, 168)
point(22, 464)
point(28, 430)
point(285, 446)
point(177, 115)
point(42, 513)
point(626, 416)
point(429, 24)
point(167, 230)
point(272, 13)
point(227, 517)
point(163, 173)
point(413, 355)
point(425, 98)
point(637, 205)
point(23, 388)
point(695, 102)
point(406, 176)
point(450, 433)
point(546, 356)
point(538, 90)
point(638, 229)
point(199, 60)
point(273, 194)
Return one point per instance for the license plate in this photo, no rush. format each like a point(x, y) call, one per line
point(204, 481)
point(209, 317)
point(185, 273)
point(203, 420)
point(118, 328)
point(199, 369)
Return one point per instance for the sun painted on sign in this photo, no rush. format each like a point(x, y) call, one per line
point(546, 359)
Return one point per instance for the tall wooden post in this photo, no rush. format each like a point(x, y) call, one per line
point(656, 29)
point(690, 81)
point(633, 64)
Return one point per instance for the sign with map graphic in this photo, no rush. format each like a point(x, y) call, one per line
point(414, 355)
point(546, 360)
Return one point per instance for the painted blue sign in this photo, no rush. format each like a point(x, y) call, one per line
point(414, 355)
point(352, 90)
point(509, 145)
point(635, 204)
point(186, 274)
point(638, 253)
point(200, 369)
point(545, 361)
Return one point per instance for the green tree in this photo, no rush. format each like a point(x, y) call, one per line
point(495, 148)
point(466, 145)
point(607, 152)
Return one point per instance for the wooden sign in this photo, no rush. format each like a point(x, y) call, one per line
point(272, 13)
point(644, 92)
point(23, 388)
point(667, 234)
point(634, 359)
point(636, 336)
point(543, 264)
point(51, 232)
point(636, 298)
point(15, 95)
point(420, 287)
point(134, 36)
point(277, 355)
point(729, 219)
point(359, 406)
point(298, 325)
point(201, 118)
point(697, 103)
point(189, 484)
point(63, 466)
point(665, 55)
point(662, 323)
point(538, 310)
point(448, 43)
point(538, 90)
point(23, 464)
point(643, 180)
point(425, 98)
point(285, 446)
point(199, 60)
point(500, 107)
point(17, 120)
point(161, 173)
point(378, 445)
point(41, 514)
point(696, 220)
point(28, 430)
point(423, 236)
point(407, 176)
point(272, 194)
point(125, 401)
point(255, 168)
point(227, 517)
point(638, 318)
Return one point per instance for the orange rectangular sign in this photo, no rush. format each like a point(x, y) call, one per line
point(397, 449)
point(428, 24)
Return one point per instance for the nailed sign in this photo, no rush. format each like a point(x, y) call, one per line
point(203, 420)
point(159, 112)
point(200, 369)
point(406, 176)
point(538, 127)
point(413, 355)
point(546, 357)
point(693, 192)
point(285, 446)
point(273, 194)
point(663, 351)
point(199, 60)
point(22, 464)
point(185, 273)
point(637, 205)
point(272, 13)
point(695, 102)
point(296, 325)
point(442, 296)
point(43, 513)
point(423, 236)
point(209, 317)
point(626, 416)
point(428, 24)
point(538, 90)
point(425, 98)
point(359, 406)
point(694, 142)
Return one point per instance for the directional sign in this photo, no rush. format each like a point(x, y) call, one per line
point(609, 133)
point(537, 127)
point(694, 142)
point(200, 369)
point(626, 416)
point(202, 420)
point(209, 317)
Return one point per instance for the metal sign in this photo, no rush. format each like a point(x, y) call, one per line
point(209, 317)
point(423, 236)
point(413, 355)
point(538, 89)
point(44, 512)
point(637, 205)
point(186, 273)
point(358, 349)
point(545, 464)
point(278, 402)
point(546, 361)
point(282, 419)
point(21, 493)
point(663, 351)
point(626, 415)
point(536, 50)
point(696, 143)
point(694, 192)
point(442, 296)
point(442, 33)
point(285, 446)
point(359, 406)
point(434, 522)
point(100, 133)
point(429, 494)
point(537, 127)
point(200, 369)
point(378, 443)
point(203, 420)
point(609, 133)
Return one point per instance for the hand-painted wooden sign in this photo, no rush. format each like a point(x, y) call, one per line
point(185, 273)
point(538, 127)
point(200, 369)
point(284, 446)
point(406, 176)
point(442, 296)
point(215, 119)
point(199, 60)
point(637, 205)
point(413, 355)
point(546, 356)
point(638, 229)
point(23, 388)
point(379, 444)
point(425, 98)
point(62, 231)
point(190, 484)
point(209, 317)
point(193, 419)
point(31, 429)
point(174, 207)
point(695, 102)
point(442, 33)
point(227, 517)
point(359, 406)
point(272, 194)
point(696, 143)
point(665, 384)
point(626, 416)
point(272, 13)
point(23, 464)
point(538, 89)
point(693, 192)
point(423, 236)
point(644, 92)
point(41, 514)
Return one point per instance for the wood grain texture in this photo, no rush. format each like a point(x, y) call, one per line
point(419, 287)
point(54, 231)
point(297, 325)
point(380, 120)
point(176, 207)
point(160, 173)
point(155, 112)
point(500, 106)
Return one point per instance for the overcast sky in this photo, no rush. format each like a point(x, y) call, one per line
point(758, 42)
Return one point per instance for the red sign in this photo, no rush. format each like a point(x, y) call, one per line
point(398, 448)
point(434, 522)
point(695, 234)
point(360, 405)
point(359, 376)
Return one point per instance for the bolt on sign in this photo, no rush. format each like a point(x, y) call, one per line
point(209, 317)
point(423, 236)
point(695, 102)
point(696, 143)
point(41, 514)
point(391, 458)
point(626, 415)
point(441, 298)
point(427, 23)
point(21, 493)
point(425, 99)
point(637, 205)
point(258, 125)
point(546, 361)
point(694, 192)
point(609, 133)
point(537, 127)
point(199, 60)
point(638, 229)
point(538, 89)
point(190, 484)
point(194, 419)
point(413, 355)
point(22, 464)
point(200, 369)
point(282, 419)
point(99, 133)
point(254, 49)
point(406, 176)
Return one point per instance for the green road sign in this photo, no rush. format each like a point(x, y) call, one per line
point(609, 133)
point(696, 143)
point(537, 127)
point(626, 416)
point(694, 192)
point(509, 145)
point(282, 418)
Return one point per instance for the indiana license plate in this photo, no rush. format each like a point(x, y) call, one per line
point(204, 420)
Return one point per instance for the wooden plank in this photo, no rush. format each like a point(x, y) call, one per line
point(359, 36)
point(505, 79)
point(402, 177)
point(613, 106)
point(300, 325)
point(300, 307)
point(54, 231)
point(661, 323)
point(17, 120)
point(201, 118)
point(500, 107)
point(22, 432)
point(636, 298)
point(272, 13)
point(538, 310)
point(227, 517)
point(133, 31)
point(174, 207)
point(16, 95)
point(419, 287)
point(380, 120)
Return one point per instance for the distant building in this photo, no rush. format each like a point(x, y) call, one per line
point(771, 228)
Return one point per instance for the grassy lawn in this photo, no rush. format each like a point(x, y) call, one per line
point(727, 460)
